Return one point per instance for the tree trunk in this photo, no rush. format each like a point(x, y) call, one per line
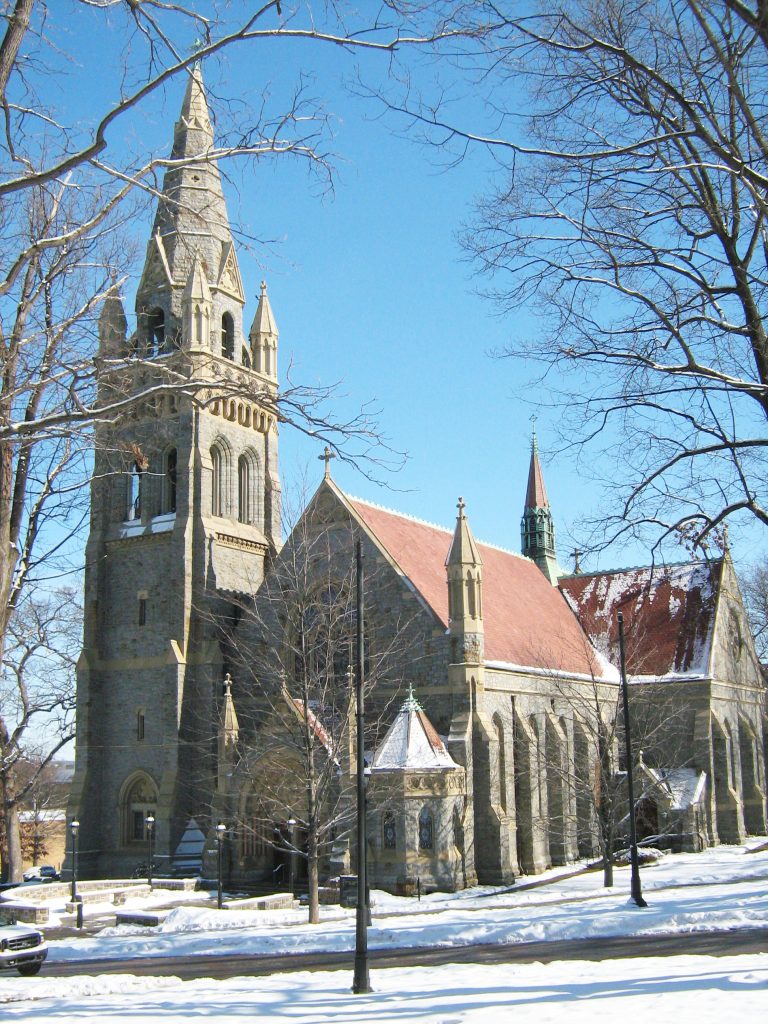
point(14, 867)
point(607, 870)
point(312, 877)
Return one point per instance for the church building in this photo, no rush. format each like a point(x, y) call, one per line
point(213, 684)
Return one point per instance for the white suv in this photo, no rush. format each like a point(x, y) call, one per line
point(21, 947)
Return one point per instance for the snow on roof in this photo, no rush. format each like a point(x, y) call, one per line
point(412, 743)
point(668, 615)
point(527, 621)
point(685, 786)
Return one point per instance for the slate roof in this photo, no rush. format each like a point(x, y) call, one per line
point(536, 492)
point(527, 621)
point(669, 614)
point(411, 742)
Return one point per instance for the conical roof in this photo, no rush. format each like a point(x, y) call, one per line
point(264, 320)
point(412, 743)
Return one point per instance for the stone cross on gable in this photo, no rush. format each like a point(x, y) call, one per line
point(326, 457)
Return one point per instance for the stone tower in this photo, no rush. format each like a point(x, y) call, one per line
point(185, 512)
point(537, 526)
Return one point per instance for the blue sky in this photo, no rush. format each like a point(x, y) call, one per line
point(370, 288)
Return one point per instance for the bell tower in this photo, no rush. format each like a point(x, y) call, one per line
point(185, 513)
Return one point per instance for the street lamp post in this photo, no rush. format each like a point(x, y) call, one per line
point(74, 827)
point(292, 854)
point(149, 821)
point(221, 829)
point(362, 982)
point(635, 887)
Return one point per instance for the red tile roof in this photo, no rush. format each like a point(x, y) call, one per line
point(527, 621)
point(668, 615)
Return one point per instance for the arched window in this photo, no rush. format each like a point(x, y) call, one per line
point(228, 336)
point(140, 799)
point(458, 829)
point(217, 482)
point(502, 762)
point(135, 487)
point(389, 831)
point(471, 608)
point(155, 332)
point(244, 484)
point(248, 488)
point(169, 482)
point(426, 829)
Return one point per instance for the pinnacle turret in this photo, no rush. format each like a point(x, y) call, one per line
point(112, 326)
point(263, 336)
point(464, 568)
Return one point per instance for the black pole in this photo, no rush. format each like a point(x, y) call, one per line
point(219, 837)
point(74, 898)
point(150, 831)
point(635, 888)
point(74, 828)
point(362, 982)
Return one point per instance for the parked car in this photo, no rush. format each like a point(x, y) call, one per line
point(42, 873)
point(21, 947)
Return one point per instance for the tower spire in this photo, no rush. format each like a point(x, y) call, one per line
point(537, 527)
point(191, 233)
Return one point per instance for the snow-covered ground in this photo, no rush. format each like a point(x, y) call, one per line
point(722, 888)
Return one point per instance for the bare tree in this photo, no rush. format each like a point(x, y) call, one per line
point(755, 587)
point(630, 218)
point(37, 703)
point(291, 653)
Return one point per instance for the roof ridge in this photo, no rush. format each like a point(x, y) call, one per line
point(635, 568)
point(435, 526)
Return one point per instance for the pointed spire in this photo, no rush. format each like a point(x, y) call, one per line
point(537, 527)
point(229, 731)
point(264, 321)
point(191, 221)
point(464, 550)
point(536, 494)
point(263, 336)
point(193, 133)
point(113, 324)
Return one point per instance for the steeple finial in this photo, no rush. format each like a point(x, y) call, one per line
point(411, 703)
point(534, 442)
